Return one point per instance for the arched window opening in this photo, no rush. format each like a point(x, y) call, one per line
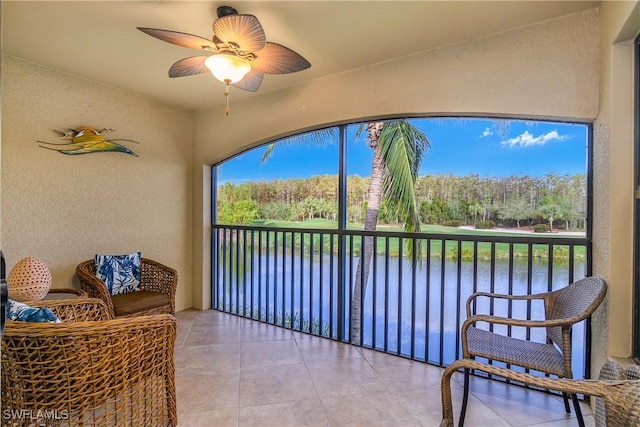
point(376, 233)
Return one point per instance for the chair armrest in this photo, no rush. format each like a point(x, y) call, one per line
point(614, 392)
point(158, 277)
point(95, 287)
point(475, 295)
point(509, 321)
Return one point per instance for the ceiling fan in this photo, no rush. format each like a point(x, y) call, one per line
point(238, 54)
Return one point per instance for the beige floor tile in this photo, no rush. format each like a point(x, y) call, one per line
point(221, 357)
point(211, 335)
point(341, 377)
point(379, 358)
point(409, 376)
point(589, 421)
point(263, 385)
point(368, 409)
point(269, 353)
point(176, 352)
point(187, 315)
point(182, 331)
point(208, 390)
point(290, 414)
point(316, 349)
point(426, 406)
point(217, 318)
point(222, 417)
point(258, 332)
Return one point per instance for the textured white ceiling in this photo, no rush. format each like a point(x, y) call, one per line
point(98, 40)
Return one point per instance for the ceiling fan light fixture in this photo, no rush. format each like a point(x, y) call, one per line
point(231, 53)
point(227, 68)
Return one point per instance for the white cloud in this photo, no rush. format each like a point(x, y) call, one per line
point(487, 132)
point(526, 139)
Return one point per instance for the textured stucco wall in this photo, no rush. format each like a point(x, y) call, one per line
point(613, 177)
point(545, 70)
point(64, 209)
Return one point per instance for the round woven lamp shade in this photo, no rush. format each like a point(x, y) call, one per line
point(29, 280)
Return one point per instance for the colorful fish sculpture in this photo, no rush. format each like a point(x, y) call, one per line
point(85, 140)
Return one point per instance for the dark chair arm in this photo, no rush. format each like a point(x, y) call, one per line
point(509, 321)
point(475, 295)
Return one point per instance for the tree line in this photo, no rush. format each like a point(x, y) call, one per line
point(447, 199)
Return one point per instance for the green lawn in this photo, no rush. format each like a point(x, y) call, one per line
point(451, 249)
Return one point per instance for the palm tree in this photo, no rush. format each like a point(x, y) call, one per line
point(550, 212)
point(398, 147)
point(475, 209)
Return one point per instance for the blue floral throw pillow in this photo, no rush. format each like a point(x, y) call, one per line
point(25, 313)
point(121, 273)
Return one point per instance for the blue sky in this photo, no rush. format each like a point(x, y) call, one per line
point(484, 147)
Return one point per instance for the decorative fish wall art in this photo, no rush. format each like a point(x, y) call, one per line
point(84, 140)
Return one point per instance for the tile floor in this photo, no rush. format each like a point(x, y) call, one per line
point(236, 372)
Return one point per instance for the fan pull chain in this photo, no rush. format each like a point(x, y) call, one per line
point(226, 94)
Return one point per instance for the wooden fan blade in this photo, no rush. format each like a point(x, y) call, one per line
point(277, 59)
point(250, 82)
point(180, 39)
point(243, 30)
point(188, 67)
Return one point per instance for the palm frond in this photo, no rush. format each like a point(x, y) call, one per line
point(402, 148)
point(267, 153)
point(319, 137)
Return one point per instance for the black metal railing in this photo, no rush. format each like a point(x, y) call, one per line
point(417, 287)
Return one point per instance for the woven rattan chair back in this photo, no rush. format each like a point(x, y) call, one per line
point(77, 310)
point(154, 277)
point(576, 301)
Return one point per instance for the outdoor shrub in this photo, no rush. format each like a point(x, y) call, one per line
point(452, 223)
point(466, 255)
point(483, 225)
point(560, 252)
point(541, 228)
point(275, 210)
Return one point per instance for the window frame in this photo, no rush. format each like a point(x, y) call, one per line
point(636, 243)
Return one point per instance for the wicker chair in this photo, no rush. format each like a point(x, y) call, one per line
point(89, 372)
point(156, 295)
point(612, 370)
point(621, 399)
point(563, 308)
